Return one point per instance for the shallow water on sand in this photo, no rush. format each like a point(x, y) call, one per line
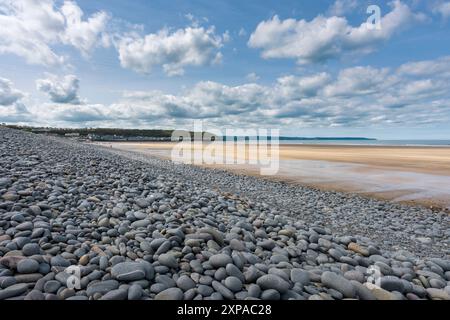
point(396, 185)
point(382, 182)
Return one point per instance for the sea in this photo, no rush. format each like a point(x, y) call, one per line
point(434, 143)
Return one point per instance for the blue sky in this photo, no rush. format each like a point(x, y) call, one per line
point(310, 68)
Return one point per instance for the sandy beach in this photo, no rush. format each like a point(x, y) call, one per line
point(400, 173)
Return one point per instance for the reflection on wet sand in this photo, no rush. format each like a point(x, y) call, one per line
point(408, 174)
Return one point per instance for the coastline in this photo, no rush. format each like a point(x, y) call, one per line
point(406, 174)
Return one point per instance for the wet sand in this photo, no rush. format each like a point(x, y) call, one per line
point(419, 175)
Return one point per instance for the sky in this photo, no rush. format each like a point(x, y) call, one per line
point(377, 69)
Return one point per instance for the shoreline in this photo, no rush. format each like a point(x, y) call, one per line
point(410, 175)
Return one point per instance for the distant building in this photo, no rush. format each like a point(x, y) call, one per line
point(108, 137)
point(72, 135)
point(40, 130)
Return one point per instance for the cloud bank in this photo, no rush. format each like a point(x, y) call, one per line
point(361, 96)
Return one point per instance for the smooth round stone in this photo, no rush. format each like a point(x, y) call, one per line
point(234, 271)
point(185, 283)
point(192, 242)
point(279, 272)
point(7, 282)
point(140, 224)
point(267, 244)
point(237, 245)
point(220, 260)
point(251, 274)
point(27, 266)
point(205, 290)
point(217, 235)
point(158, 287)
point(102, 287)
point(190, 294)
point(13, 291)
point(220, 274)
point(339, 283)
point(224, 291)
point(166, 280)
point(52, 286)
point(354, 275)
point(59, 261)
point(28, 277)
point(277, 258)
point(272, 281)
point(25, 226)
point(168, 260)
point(103, 262)
point(35, 295)
point(118, 294)
point(156, 243)
point(233, 283)
point(21, 241)
point(300, 276)
point(31, 249)
point(391, 283)
point(162, 269)
point(254, 291)
point(66, 293)
point(44, 268)
point(270, 294)
point(437, 283)
point(35, 209)
point(84, 260)
point(170, 294)
point(215, 296)
point(128, 271)
point(135, 292)
point(116, 259)
point(145, 246)
point(104, 222)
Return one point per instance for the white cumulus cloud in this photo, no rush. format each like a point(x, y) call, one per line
point(443, 9)
point(191, 46)
point(252, 77)
point(412, 94)
point(60, 89)
point(12, 108)
point(325, 38)
point(342, 7)
point(31, 29)
point(8, 94)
